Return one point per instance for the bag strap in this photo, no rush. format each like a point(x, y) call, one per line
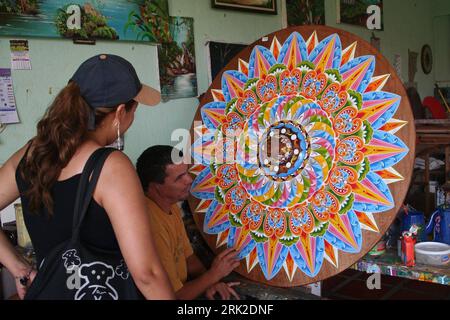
point(82, 185)
point(86, 187)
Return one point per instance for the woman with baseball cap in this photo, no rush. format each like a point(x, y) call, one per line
point(92, 111)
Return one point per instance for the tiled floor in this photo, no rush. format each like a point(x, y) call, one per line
point(351, 285)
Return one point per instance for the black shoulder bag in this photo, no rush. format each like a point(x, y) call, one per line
point(76, 271)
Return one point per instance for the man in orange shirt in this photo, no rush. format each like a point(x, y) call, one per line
point(166, 183)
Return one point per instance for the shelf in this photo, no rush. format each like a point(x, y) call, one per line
point(434, 171)
point(390, 264)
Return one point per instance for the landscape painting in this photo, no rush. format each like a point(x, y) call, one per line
point(355, 11)
point(84, 19)
point(176, 56)
point(301, 12)
point(259, 6)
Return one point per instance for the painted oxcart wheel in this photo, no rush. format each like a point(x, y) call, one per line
point(303, 150)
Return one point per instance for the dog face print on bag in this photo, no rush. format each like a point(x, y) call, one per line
point(71, 259)
point(96, 286)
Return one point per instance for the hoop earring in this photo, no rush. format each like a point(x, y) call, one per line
point(119, 142)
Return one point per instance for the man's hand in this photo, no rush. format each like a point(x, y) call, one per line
point(225, 290)
point(223, 264)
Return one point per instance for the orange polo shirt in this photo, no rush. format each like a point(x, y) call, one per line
point(172, 242)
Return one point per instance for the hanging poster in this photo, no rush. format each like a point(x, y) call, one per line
point(301, 12)
point(8, 111)
point(20, 58)
point(177, 60)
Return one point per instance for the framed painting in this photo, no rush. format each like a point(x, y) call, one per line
point(129, 20)
point(355, 11)
point(220, 54)
point(301, 12)
point(177, 69)
point(259, 6)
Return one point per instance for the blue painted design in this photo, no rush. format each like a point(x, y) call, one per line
point(214, 106)
point(301, 46)
point(278, 262)
point(383, 189)
point(235, 74)
point(266, 53)
point(208, 216)
point(389, 113)
point(300, 261)
point(392, 160)
point(198, 180)
point(367, 76)
point(344, 246)
point(321, 47)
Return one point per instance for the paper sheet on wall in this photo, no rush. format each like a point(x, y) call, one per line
point(20, 58)
point(8, 110)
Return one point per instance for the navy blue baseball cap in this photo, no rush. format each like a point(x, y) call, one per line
point(107, 80)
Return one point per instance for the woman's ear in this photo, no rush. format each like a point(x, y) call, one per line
point(120, 113)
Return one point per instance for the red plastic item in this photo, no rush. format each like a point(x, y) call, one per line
point(436, 108)
point(408, 256)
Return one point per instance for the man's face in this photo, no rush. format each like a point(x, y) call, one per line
point(177, 183)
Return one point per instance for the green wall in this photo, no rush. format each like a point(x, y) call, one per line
point(441, 24)
point(407, 24)
point(441, 7)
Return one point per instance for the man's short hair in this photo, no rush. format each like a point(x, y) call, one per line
point(151, 164)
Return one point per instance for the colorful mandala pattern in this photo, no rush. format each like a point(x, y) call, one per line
point(323, 112)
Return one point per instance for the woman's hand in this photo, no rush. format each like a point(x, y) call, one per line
point(225, 290)
point(23, 281)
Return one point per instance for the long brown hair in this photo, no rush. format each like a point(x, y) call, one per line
point(60, 132)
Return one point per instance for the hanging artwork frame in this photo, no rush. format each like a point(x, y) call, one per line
point(176, 55)
point(124, 20)
point(354, 12)
point(220, 53)
point(265, 6)
point(301, 12)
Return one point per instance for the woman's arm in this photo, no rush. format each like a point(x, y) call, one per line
point(120, 193)
point(9, 192)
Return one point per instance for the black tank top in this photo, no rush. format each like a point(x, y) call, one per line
point(48, 231)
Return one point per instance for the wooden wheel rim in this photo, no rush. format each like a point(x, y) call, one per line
point(298, 266)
